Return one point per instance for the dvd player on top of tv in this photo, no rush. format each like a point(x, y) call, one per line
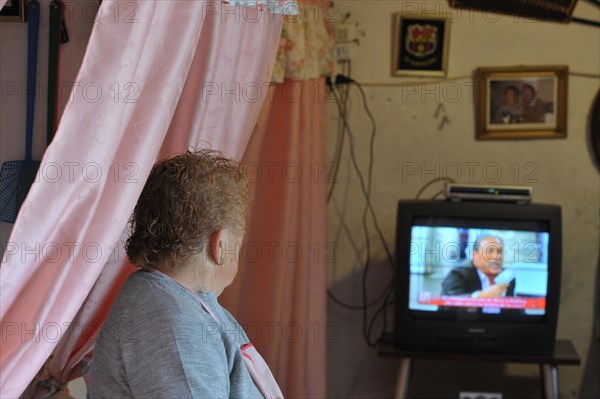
point(482, 192)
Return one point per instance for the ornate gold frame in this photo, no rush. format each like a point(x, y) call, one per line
point(483, 77)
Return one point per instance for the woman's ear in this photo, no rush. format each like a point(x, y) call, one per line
point(216, 247)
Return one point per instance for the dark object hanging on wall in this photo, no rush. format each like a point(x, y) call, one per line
point(16, 177)
point(55, 31)
point(544, 10)
point(595, 130)
point(548, 10)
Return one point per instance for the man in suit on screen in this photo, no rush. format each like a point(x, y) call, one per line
point(477, 280)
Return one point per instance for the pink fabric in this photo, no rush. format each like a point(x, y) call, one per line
point(133, 88)
point(279, 295)
point(2, 2)
point(260, 372)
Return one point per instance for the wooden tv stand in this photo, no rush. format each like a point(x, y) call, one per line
point(564, 354)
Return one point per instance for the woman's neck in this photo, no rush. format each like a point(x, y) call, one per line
point(196, 277)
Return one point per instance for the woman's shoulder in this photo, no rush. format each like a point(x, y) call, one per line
point(147, 285)
point(147, 295)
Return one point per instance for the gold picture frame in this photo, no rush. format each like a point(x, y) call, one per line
point(13, 11)
point(523, 102)
point(420, 45)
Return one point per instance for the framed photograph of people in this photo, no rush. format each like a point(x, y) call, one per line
point(13, 11)
point(522, 102)
point(419, 46)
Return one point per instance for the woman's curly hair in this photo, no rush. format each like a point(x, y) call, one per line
point(185, 200)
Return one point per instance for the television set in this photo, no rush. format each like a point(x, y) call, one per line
point(442, 299)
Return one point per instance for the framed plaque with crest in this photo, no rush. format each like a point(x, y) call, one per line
point(420, 46)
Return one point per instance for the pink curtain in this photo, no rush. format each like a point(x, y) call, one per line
point(180, 74)
point(279, 295)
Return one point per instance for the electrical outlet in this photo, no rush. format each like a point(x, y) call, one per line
point(345, 32)
point(480, 395)
point(345, 52)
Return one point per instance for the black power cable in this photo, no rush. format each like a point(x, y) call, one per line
point(367, 329)
point(368, 209)
point(390, 289)
point(365, 305)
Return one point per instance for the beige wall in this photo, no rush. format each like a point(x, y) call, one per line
point(561, 171)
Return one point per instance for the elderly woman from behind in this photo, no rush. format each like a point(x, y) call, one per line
point(166, 335)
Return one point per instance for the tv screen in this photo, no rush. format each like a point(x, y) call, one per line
point(477, 276)
point(453, 262)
